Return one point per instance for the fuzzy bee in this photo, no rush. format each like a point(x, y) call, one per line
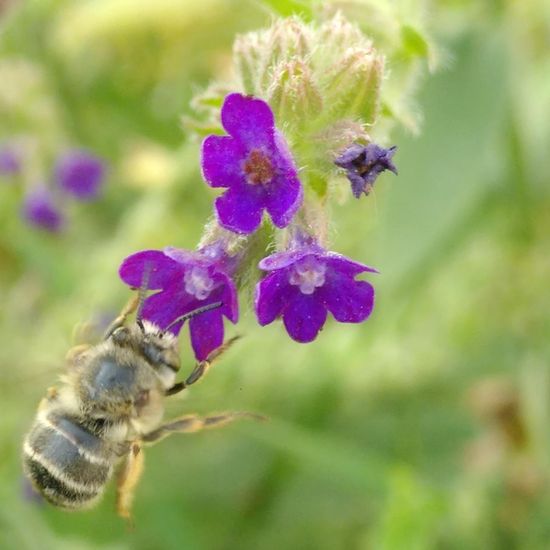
point(110, 403)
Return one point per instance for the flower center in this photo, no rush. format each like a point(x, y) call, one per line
point(258, 168)
point(308, 274)
point(198, 283)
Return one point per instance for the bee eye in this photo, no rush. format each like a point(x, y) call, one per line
point(120, 336)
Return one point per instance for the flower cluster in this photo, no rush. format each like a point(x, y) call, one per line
point(303, 282)
point(77, 175)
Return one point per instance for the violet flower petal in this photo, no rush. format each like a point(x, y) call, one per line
point(271, 295)
point(342, 263)
point(304, 317)
point(240, 209)
point(280, 260)
point(163, 270)
point(166, 306)
point(226, 293)
point(283, 199)
point(221, 161)
point(206, 332)
point(349, 301)
point(248, 119)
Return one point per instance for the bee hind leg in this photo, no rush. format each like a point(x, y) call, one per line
point(128, 478)
point(194, 423)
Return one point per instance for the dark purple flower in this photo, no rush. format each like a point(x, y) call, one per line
point(80, 174)
point(40, 209)
point(186, 281)
point(10, 162)
point(363, 164)
point(307, 281)
point(254, 162)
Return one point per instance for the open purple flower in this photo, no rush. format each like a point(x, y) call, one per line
point(40, 209)
point(254, 162)
point(80, 174)
point(363, 164)
point(186, 281)
point(306, 282)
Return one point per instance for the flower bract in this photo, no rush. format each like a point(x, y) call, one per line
point(254, 163)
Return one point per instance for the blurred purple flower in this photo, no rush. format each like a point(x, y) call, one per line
point(254, 162)
point(10, 163)
point(307, 281)
point(363, 164)
point(186, 280)
point(80, 174)
point(30, 494)
point(40, 209)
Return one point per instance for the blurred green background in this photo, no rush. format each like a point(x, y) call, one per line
point(425, 427)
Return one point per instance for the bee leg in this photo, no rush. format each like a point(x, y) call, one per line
point(200, 369)
point(127, 310)
point(128, 479)
point(193, 423)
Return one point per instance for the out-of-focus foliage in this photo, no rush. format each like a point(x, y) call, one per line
point(425, 427)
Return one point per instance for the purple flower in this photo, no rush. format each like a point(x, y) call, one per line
point(10, 162)
point(80, 174)
point(186, 281)
point(39, 209)
point(363, 164)
point(307, 281)
point(254, 162)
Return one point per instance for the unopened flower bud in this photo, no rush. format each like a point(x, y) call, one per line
point(258, 54)
point(247, 57)
point(363, 164)
point(353, 84)
point(294, 94)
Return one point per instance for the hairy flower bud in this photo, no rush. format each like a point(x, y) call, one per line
point(353, 84)
point(294, 95)
point(247, 58)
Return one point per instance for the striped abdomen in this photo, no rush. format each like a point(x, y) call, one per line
point(67, 463)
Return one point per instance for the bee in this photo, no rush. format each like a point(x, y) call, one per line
point(109, 405)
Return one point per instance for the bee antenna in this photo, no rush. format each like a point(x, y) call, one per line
point(142, 292)
point(193, 313)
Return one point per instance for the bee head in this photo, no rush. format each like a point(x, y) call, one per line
point(158, 348)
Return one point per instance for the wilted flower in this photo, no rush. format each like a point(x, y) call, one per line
point(304, 283)
point(186, 280)
point(10, 162)
point(80, 174)
point(363, 164)
point(254, 162)
point(40, 209)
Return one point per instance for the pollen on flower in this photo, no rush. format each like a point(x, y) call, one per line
point(308, 275)
point(258, 168)
point(198, 283)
